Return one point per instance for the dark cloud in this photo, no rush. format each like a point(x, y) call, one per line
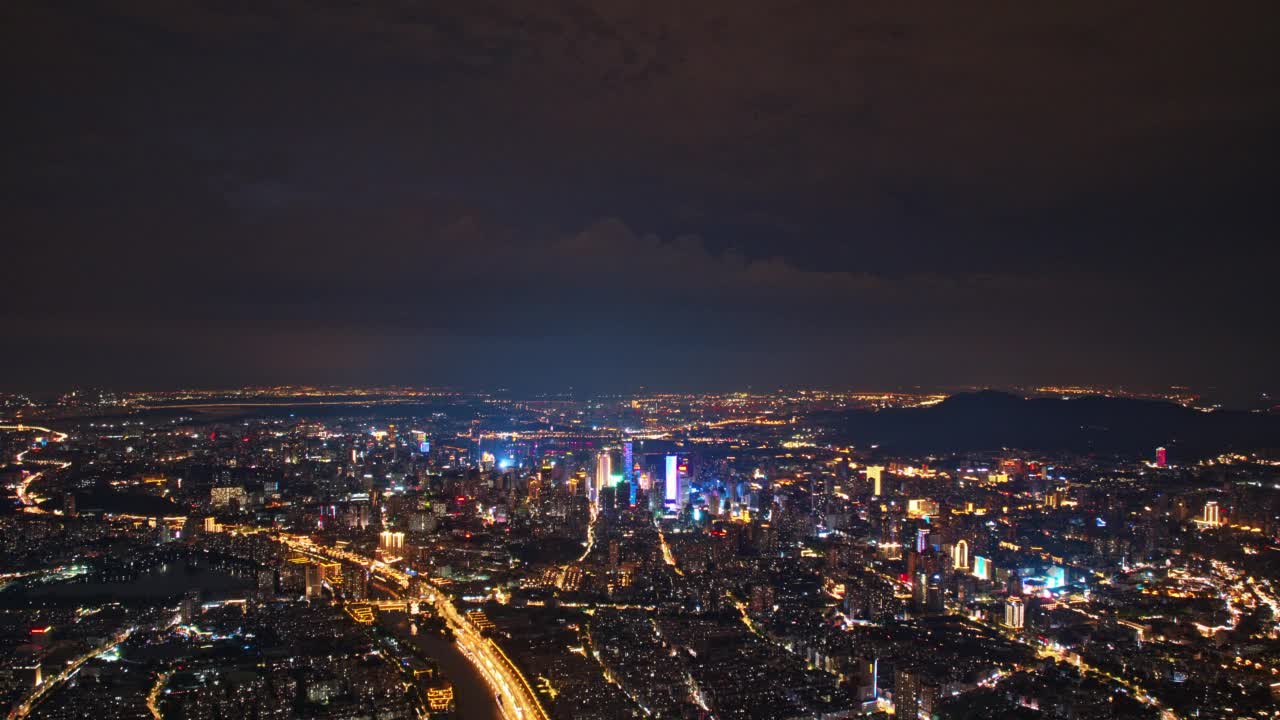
point(629, 191)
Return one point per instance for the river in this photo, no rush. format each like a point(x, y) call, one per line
point(471, 694)
point(165, 580)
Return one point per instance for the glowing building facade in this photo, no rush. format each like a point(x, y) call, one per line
point(1014, 613)
point(1211, 513)
point(875, 475)
point(604, 469)
point(389, 540)
point(672, 494)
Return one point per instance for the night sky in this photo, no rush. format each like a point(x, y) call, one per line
point(605, 194)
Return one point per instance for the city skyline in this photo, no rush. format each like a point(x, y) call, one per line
point(639, 360)
point(436, 554)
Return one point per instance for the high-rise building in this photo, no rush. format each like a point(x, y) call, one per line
point(1162, 457)
point(982, 568)
point(919, 590)
point(628, 459)
point(672, 479)
point(1211, 514)
point(314, 581)
point(875, 475)
point(389, 540)
point(233, 497)
point(1015, 584)
point(293, 576)
point(960, 555)
point(908, 692)
point(1014, 613)
point(933, 599)
point(330, 572)
point(189, 609)
point(266, 578)
point(604, 468)
point(865, 678)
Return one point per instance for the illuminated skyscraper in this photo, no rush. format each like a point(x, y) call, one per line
point(672, 479)
point(233, 496)
point(1014, 613)
point(628, 459)
point(875, 474)
point(604, 468)
point(1162, 457)
point(1211, 513)
point(389, 540)
point(960, 555)
point(982, 568)
point(919, 591)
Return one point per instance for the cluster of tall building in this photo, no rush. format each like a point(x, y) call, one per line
point(391, 541)
point(668, 488)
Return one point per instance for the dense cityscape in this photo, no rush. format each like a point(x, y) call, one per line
point(433, 553)
point(635, 360)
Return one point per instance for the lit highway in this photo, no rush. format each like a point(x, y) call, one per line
point(517, 699)
point(28, 500)
point(153, 697)
point(58, 436)
point(37, 693)
point(667, 556)
point(591, 534)
point(1046, 651)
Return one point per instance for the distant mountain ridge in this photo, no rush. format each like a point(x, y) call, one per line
point(990, 420)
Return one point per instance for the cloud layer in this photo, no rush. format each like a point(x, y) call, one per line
point(814, 192)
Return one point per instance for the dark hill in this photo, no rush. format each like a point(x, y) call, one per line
point(992, 420)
